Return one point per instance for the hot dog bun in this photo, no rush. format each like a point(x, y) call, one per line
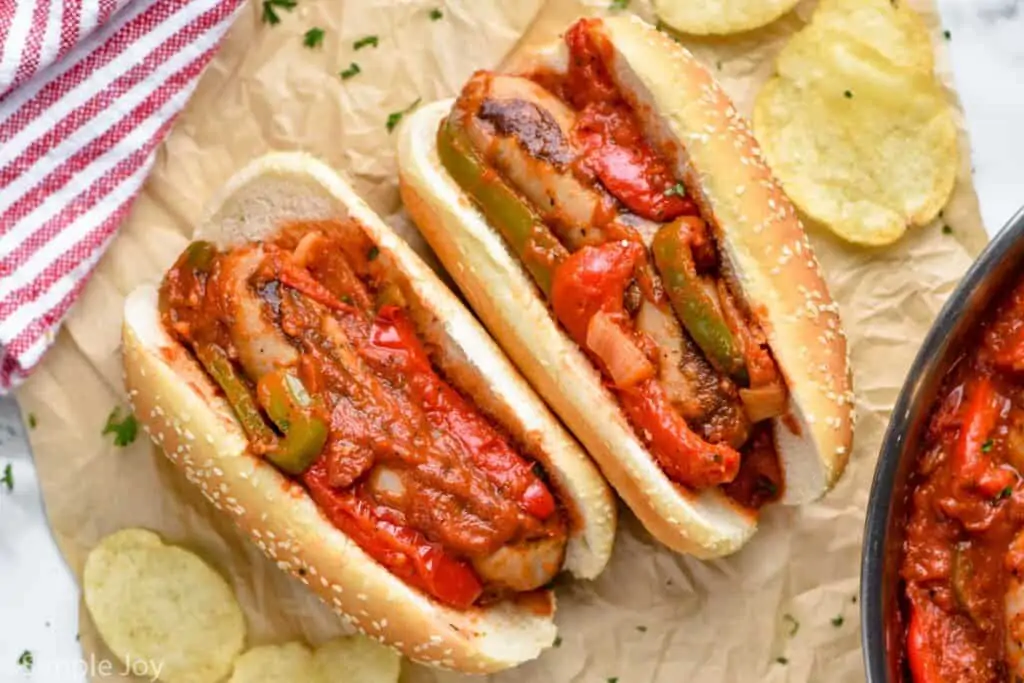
point(765, 255)
point(185, 414)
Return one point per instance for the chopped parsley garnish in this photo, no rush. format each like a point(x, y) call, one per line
point(395, 117)
point(32, 421)
point(314, 37)
point(619, 4)
point(436, 14)
point(678, 189)
point(987, 446)
point(25, 660)
point(368, 41)
point(1004, 494)
point(613, 679)
point(351, 71)
point(270, 7)
point(373, 253)
point(8, 478)
point(946, 34)
point(794, 625)
point(782, 660)
point(837, 621)
point(848, 94)
point(642, 629)
point(853, 599)
point(947, 230)
point(124, 431)
point(558, 641)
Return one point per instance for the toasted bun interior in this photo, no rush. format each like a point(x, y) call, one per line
point(183, 411)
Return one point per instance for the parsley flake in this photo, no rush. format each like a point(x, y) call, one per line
point(314, 37)
point(270, 7)
point(642, 629)
point(124, 431)
point(436, 14)
point(373, 253)
point(351, 71)
point(947, 35)
point(848, 94)
point(1004, 494)
point(782, 660)
point(32, 421)
point(8, 478)
point(837, 621)
point(613, 679)
point(619, 4)
point(395, 117)
point(794, 625)
point(678, 189)
point(947, 230)
point(368, 41)
point(25, 660)
point(987, 446)
point(558, 641)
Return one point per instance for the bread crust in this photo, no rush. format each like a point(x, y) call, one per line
point(765, 254)
point(182, 410)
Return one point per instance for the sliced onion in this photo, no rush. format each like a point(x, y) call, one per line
point(306, 247)
point(626, 363)
point(387, 485)
point(765, 402)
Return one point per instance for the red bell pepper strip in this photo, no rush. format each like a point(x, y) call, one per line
point(403, 551)
point(610, 137)
point(393, 341)
point(300, 280)
point(594, 279)
point(975, 469)
point(921, 655)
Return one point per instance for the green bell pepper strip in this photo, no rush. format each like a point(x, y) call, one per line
point(289, 406)
point(532, 241)
point(696, 309)
point(200, 255)
point(218, 365)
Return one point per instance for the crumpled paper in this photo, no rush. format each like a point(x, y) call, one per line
point(785, 608)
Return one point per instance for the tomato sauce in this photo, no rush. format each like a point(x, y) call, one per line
point(410, 470)
point(961, 550)
point(610, 136)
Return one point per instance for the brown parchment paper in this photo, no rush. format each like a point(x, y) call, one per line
point(653, 615)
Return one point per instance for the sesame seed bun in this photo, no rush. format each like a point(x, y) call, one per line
point(185, 414)
point(764, 252)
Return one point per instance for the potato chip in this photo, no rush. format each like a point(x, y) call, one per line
point(867, 151)
point(132, 538)
point(288, 663)
point(163, 611)
point(356, 659)
point(896, 32)
point(703, 17)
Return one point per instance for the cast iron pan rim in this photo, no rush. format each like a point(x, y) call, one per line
point(932, 352)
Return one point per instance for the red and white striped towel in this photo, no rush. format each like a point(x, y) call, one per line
point(88, 89)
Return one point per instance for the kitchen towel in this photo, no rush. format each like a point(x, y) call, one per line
point(88, 89)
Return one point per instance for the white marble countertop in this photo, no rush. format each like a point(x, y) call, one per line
point(38, 599)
